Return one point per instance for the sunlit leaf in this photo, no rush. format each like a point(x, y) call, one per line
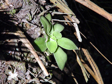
point(46, 24)
point(43, 21)
point(40, 42)
point(67, 44)
point(60, 57)
point(58, 35)
point(52, 44)
point(58, 27)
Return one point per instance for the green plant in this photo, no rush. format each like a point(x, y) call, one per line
point(13, 11)
point(53, 41)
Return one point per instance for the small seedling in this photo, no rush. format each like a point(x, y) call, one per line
point(53, 41)
point(12, 12)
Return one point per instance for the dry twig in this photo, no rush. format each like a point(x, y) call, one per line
point(32, 50)
point(96, 49)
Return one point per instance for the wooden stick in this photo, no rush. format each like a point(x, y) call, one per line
point(89, 4)
point(23, 38)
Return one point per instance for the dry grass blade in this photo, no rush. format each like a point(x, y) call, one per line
point(93, 65)
point(89, 70)
point(96, 74)
point(74, 78)
point(89, 4)
point(95, 48)
point(85, 74)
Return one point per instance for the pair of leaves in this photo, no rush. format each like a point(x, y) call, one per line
point(60, 56)
point(62, 42)
point(54, 35)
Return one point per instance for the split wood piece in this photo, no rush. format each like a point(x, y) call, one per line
point(23, 38)
point(93, 65)
point(89, 4)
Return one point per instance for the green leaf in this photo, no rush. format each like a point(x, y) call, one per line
point(58, 35)
point(43, 21)
point(52, 37)
point(40, 42)
point(46, 24)
point(58, 27)
point(48, 16)
point(60, 57)
point(51, 44)
point(12, 12)
point(67, 44)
